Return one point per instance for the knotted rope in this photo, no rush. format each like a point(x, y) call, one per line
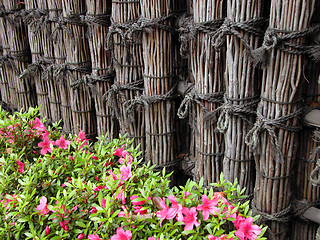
point(7, 60)
point(315, 174)
point(276, 38)
point(229, 27)
point(35, 67)
point(60, 71)
point(262, 123)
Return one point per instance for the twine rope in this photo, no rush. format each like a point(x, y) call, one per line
point(35, 68)
point(229, 27)
point(262, 123)
point(276, 38)
point(283, 216)
point(301, 206)
point(7, 60)
point(315, 174)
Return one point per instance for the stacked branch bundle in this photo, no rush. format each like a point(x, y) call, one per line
point(54, 100)
point(159, 83)
point(24, 89)
point(37, 54)
point(242, 94)
point(59, 88)
point(98, 11)
point(78, 66)
point(278, 117)
point(7, 88)
point(207, 67)
point(306, 192)
point(128, 63)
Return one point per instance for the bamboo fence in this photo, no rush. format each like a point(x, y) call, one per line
point(278, 116)
point(37, 53)
point(242, 91)
point(86, 61)
point(78, 66)
point(159, 83)
point(128, 62)
point(98, 16)
point(207, 67)
point(59, 88)
point(20, 52)
point(306, 192)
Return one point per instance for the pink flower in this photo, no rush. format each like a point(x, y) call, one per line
point(121, 196)
point(123, 213)
point(93, 210)
point(103, 203)
point(247, 231)
point(239, 221)
point(165, 212)
point(97, 189)
point(45, 144)
point(208, 206)
point(43, 206)
point(118, 151)
point(136, 202)
point(138, 209)
point(62, 143)
point(80, 236)
point(152, 238)
point(94, 237)
point(190, 218)
point(176, 207)
point(122, 235)
point(20, 166)
point(222, 237)
point(82, 138)
point(37, 124)
point(125, 172)
point(47, 230)
point(186, 194)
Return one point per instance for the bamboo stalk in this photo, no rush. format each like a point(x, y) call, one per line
point(24, 89)
point(129, 69)
point(101, 65)
point(207, 68)
point(280, 83)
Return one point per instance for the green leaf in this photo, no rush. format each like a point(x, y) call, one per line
point(81, 224)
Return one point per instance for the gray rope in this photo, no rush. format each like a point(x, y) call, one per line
point(36, 18)
point(276, 38)
point(188, 30)
point(229, 27)
point(262, 123)
point(20, 55)
point(35, 68)
point(60, 71)
point(194, 96)
point(7, 60)
point(230, 108)
point(315, 174)
point(301, 206)
point(282, 216)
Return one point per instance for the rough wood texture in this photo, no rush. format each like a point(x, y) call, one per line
point(128, 62)
point(281, 81)
point(78, 57)
point(48, 54)
point(158, 80)
point(308, 143)
point(101, 66)
point(24, 89)
point(207, 67)
point(37, 52)
point(242, 89)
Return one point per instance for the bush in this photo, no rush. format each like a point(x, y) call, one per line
point(61, 187)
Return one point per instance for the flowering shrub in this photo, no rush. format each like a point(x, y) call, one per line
point(61, 187)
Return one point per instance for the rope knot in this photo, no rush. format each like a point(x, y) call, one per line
point(271, 40)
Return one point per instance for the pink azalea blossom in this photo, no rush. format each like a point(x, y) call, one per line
point(152, 238)
point(125, 172)
point(97, 189)
point(133, 197)
point(123, 213)
point(176, 207)
point(118, 151)
point(122, 235)
point(103, 203)
point(82, 138)
point(121, 196)
point(222, 237)
point(138, 209)
point(190, 218)
point(239, 221)
point(165, 212)
point(43, 206)
point(93, 210)
point(46, 144)
point(62, 143)
point(20, 166)
point(80, 236)
point(94, 237)
point(208, 206)
point(247, 231)
point(47, 230)
point(37, 124)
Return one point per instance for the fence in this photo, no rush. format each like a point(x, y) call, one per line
point(207, 86)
